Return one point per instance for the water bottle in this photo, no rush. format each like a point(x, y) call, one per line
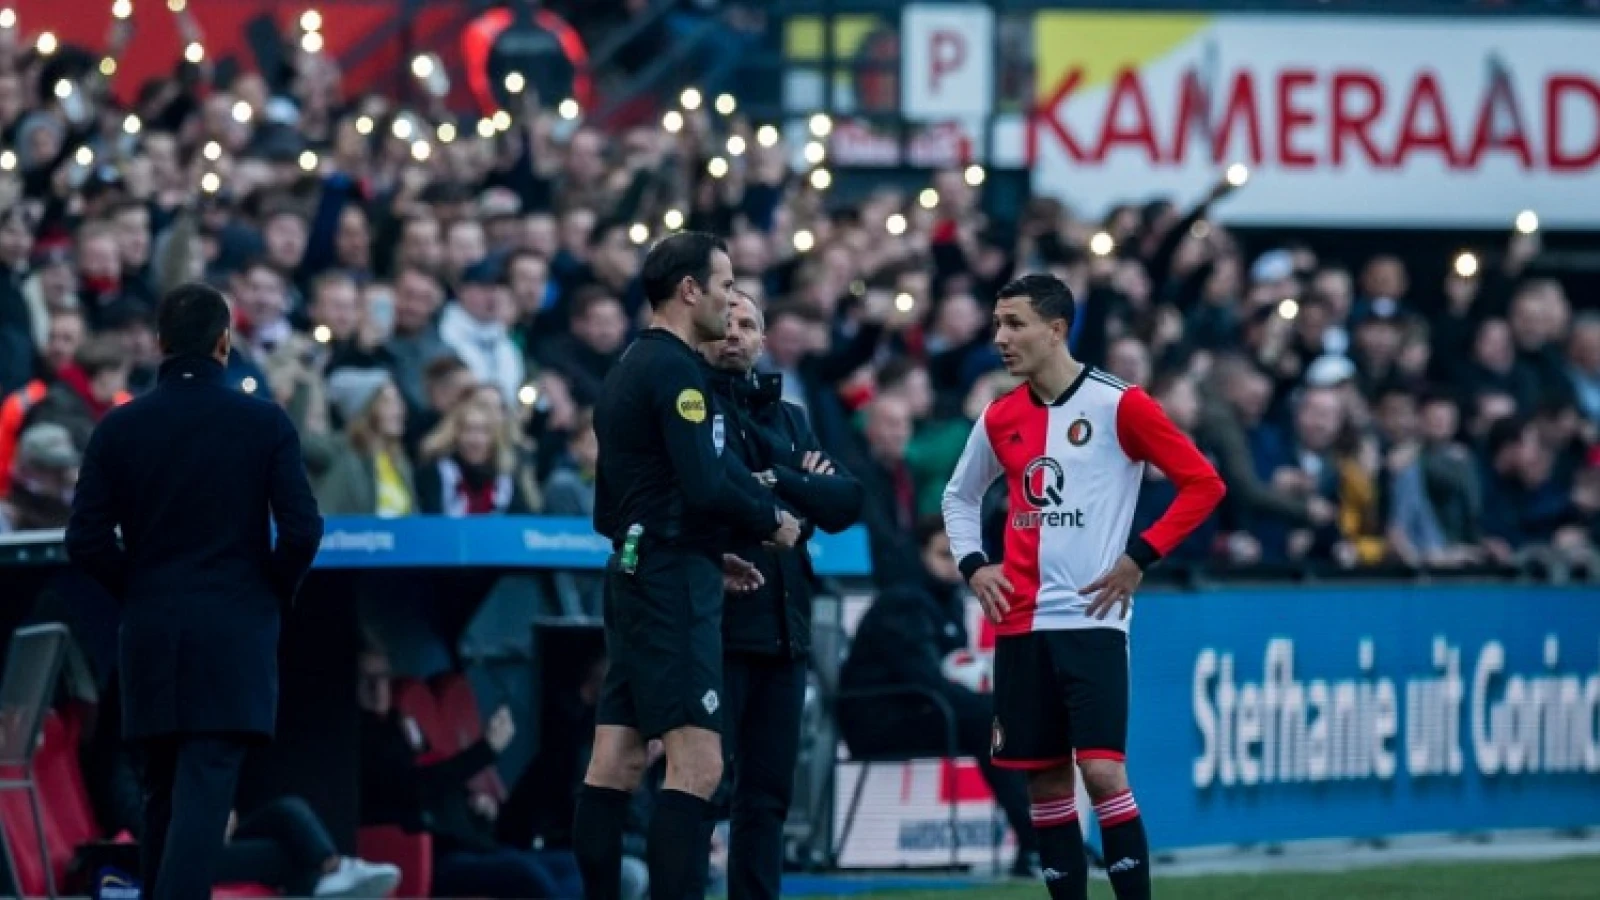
point(630, 548)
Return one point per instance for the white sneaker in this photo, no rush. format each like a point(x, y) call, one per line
point(358, 878)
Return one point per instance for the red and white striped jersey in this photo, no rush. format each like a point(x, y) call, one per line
point(1073, 470)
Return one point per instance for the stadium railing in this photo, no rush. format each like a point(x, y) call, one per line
point(1270, 706)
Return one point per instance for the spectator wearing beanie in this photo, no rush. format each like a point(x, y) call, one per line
point(364, 471)
point(472, 329)
point(45, 473)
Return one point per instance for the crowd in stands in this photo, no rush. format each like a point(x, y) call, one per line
point(438, 316)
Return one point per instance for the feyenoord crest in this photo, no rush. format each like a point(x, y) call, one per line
point(718, 433)
point(997, 740)
point(1079, 431)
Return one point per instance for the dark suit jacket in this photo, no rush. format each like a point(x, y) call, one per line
point(195, 473)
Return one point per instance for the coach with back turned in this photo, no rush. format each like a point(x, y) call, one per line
point(194, 474)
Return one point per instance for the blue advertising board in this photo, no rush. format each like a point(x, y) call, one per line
point(538, 542)
point(1262, 716)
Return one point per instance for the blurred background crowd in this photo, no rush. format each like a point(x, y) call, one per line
point(437, 297)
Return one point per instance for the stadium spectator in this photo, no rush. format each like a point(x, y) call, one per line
point(891, 508)
point(446, 381)
point(365, 470)
point(904, 640)
point(570, 492)
point(434, 797)
point(599, 333)
point(82, 392)
point(471, 327)
point(415, 343)
point(45, 471)
point(1583, 364)
point(470, 466)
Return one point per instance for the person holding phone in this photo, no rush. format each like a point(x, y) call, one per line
point(437, 798)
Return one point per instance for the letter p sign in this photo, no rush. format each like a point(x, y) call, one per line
point(945, 57)
point(947, 61)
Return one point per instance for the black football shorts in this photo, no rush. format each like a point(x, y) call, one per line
point(663, 643)
point(1060, 694)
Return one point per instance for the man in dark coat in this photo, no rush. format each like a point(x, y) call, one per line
point(766, 633)
point(195, 474)
point(902, 642)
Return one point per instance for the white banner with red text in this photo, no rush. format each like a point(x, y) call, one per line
point(1343, 120)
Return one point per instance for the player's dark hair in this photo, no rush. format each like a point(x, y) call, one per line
point(686, 254)
point(1048, 295)
point(192, 319)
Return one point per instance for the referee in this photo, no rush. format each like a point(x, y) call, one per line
point(664, 496)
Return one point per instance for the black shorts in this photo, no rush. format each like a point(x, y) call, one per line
point(1060, 694)
point(663, 644)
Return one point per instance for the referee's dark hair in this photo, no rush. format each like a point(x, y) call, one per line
point(686, 254)
point(1048, 295)
point(192, 319)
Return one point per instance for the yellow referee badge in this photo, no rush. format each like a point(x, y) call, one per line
point(692, 405)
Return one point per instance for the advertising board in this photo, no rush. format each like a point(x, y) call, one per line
point(1270, 716)
point(1342, 119)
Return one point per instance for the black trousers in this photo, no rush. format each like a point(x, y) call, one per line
point(189, 781)
point(762, 700)
point(908, 726)
point(282, 845)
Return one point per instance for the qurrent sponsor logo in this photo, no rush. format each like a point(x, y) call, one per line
point(1044, 486)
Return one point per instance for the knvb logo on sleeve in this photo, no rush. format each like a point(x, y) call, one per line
point(692, 406)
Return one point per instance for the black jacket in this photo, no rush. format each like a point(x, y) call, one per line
point(659, 467)
point(903, 640)
point(764, 434)
point(896, 558)
point(398, 790)
point(195, 474)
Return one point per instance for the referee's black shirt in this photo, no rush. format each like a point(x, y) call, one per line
point(660, 462)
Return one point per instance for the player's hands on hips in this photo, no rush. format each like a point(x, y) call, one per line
point(994, 592)
point(1114, 588)
point(740, 576)
point(788, 533)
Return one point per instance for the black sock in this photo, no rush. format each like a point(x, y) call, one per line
point(677, 837)
point(1127, 851)
point(1066, 870)
point(597, 840)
